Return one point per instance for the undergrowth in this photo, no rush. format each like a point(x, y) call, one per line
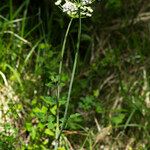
point(110, 99)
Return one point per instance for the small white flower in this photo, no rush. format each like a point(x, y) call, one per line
point(88, 14)
point(58, 2)
point(86, 2)
point(83, 8)
point(90, 9)
point(87, 9)
point(69, 7)
point(72, 7)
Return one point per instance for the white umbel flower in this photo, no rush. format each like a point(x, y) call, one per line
point(69, 7)
point(58, 2)
point(86, 2)
point(72, 7)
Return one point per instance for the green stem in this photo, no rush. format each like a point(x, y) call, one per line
point(58, 88)
point(71, 83)
point(72, 75)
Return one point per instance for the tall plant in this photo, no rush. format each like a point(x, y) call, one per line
point(74, 9)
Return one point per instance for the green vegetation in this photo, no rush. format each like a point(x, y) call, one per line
point(103, 103)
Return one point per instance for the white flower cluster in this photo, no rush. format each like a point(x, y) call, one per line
point(86, 2)
point(72, 7)
point(69, 7)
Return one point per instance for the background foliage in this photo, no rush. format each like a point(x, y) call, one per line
point(110, 101)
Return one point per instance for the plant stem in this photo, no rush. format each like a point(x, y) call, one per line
point(60, 71)
point(71, 83)
point(72, 75)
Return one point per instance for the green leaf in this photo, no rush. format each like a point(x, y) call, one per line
point(36, 110)
point(43, 46)
point(44, 109)
point(96, 93)
point(49, 100)
point(53, 110)
point(74, 120)
point(118, 119)
point(62, 101)
point(33, 133)
point(49, 132)
point(28, 126)
point(51, 118)
point(34, 101)
point(87, 102)
point(73, 116)
point(41, 113)
point(51, 123)
point(85, 37)
point(41, 126)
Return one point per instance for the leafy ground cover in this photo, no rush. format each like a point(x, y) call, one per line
point(110, 100)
